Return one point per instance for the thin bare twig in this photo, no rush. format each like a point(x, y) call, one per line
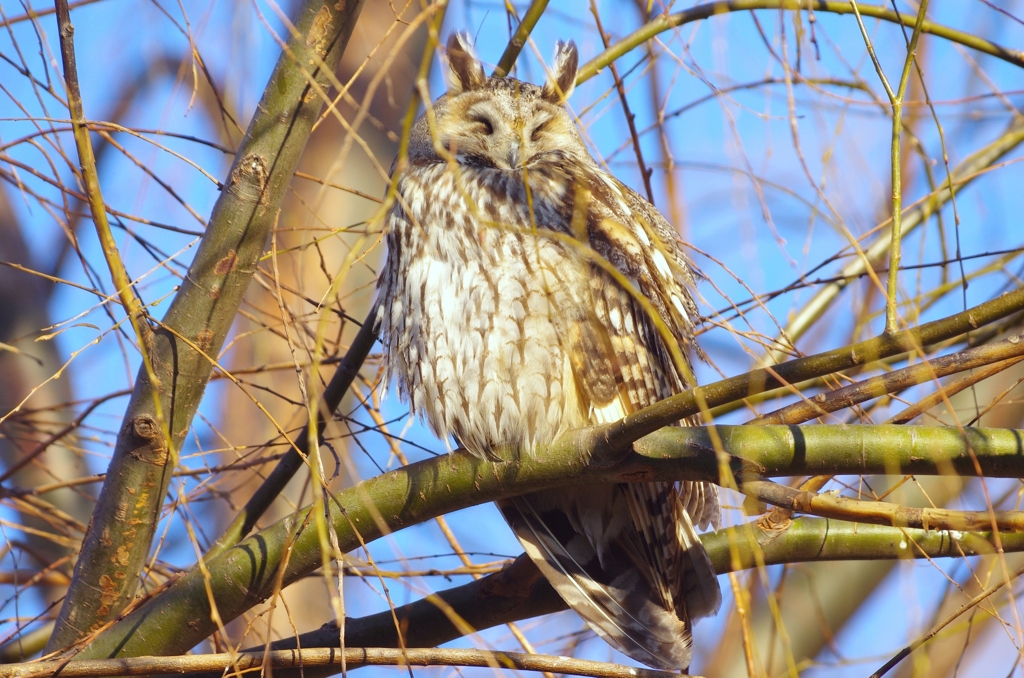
point(947, 391)
point(897, 380)
point(316, 657)
point(880, 512)
point(905, 652)
point(90, 178)
point(645, 172)
point(666, 22)
point(743, 611)
point(896, 102)
point(621, 434)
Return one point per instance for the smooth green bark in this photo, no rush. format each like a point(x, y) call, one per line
point(180, 348)
point(179, 617)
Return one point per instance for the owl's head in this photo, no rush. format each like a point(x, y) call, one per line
point(499, 123)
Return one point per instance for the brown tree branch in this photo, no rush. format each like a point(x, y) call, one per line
point(891, 382)
point(947, 391)
point(620, 435)
point(520, 592)
point(180, 616)
point(201, 314)
point(880, 512)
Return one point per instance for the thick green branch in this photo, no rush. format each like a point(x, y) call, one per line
point(200, 316)
point(619, 435)
point(675, 453)
point(179, 617)
point(520, 592)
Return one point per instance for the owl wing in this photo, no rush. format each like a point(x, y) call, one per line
point(663, 514)
point(629, 232)
point(627, 557)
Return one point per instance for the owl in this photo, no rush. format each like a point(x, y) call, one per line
point(527, 292)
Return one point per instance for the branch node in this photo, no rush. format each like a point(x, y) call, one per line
point(249, 177)
point(146, 441)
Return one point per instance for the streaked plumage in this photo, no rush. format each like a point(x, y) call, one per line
point(526, 293)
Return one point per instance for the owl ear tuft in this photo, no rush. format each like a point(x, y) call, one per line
point(464, 70)
point(562, 79)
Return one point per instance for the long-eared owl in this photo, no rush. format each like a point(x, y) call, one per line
point(528, 292)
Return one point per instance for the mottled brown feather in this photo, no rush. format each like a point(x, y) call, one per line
point(527, 292)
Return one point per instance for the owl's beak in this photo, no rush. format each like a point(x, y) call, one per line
point(513, 157)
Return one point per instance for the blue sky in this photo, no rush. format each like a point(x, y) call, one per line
point(762, 199)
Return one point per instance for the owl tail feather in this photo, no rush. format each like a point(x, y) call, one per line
point(608, 590)
point(700, 583)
